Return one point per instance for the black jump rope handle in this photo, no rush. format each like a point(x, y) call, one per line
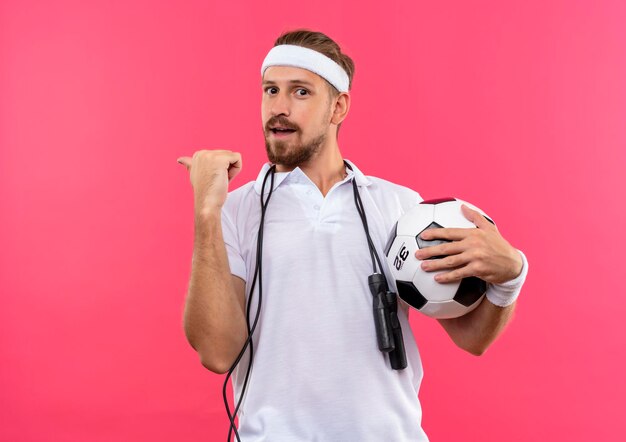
point(388, 328)
point(382, 319)
point(397, 357)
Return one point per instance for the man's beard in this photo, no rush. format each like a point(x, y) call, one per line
point(297, 155)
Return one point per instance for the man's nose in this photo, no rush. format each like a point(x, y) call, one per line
point(280, 104)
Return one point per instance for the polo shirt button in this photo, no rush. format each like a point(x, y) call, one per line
point(316, 207)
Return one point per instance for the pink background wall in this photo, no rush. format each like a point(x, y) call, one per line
point(518, 107)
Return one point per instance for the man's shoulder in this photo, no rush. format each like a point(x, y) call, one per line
point(243, 190)
point(384, 188)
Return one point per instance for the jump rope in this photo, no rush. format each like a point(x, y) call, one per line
point(388, 328)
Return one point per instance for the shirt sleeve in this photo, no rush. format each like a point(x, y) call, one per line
point(231, 240)
point(410, 199)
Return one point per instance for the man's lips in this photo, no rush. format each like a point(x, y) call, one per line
point(282, 132)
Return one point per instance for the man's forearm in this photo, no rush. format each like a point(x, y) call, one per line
point(214, 320)
point(475, 331)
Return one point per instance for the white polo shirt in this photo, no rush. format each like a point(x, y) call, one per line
point(317, 373)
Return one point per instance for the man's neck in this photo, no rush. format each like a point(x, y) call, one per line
point(325, 169)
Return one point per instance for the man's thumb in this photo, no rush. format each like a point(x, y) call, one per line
point(185, 161)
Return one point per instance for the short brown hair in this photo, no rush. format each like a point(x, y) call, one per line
point(321, 43)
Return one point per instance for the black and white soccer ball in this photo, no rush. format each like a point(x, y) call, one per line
point(417, 287)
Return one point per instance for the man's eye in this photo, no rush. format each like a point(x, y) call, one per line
point(270, 90)
point(302, 89)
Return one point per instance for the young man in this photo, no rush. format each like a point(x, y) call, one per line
point(317, 372)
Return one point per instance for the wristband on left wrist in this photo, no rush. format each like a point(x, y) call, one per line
point(506, 293)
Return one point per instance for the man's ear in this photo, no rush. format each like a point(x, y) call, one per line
point(341, 106)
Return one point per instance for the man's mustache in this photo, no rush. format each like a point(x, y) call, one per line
point(284, 123)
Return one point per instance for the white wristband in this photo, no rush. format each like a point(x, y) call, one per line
point(506, 293)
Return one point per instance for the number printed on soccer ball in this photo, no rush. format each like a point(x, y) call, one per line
point(401, 257)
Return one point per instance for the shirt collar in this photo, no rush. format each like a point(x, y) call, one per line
point(297, 174)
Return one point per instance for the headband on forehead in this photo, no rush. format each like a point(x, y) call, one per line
point(305, 58)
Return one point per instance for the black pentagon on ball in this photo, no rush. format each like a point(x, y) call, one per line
point(470, 290)
point(422, 243)
point(410, 294)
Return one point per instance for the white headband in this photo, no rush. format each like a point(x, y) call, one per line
point(305, 58)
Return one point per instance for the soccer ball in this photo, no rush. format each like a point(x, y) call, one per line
point(417, 287)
